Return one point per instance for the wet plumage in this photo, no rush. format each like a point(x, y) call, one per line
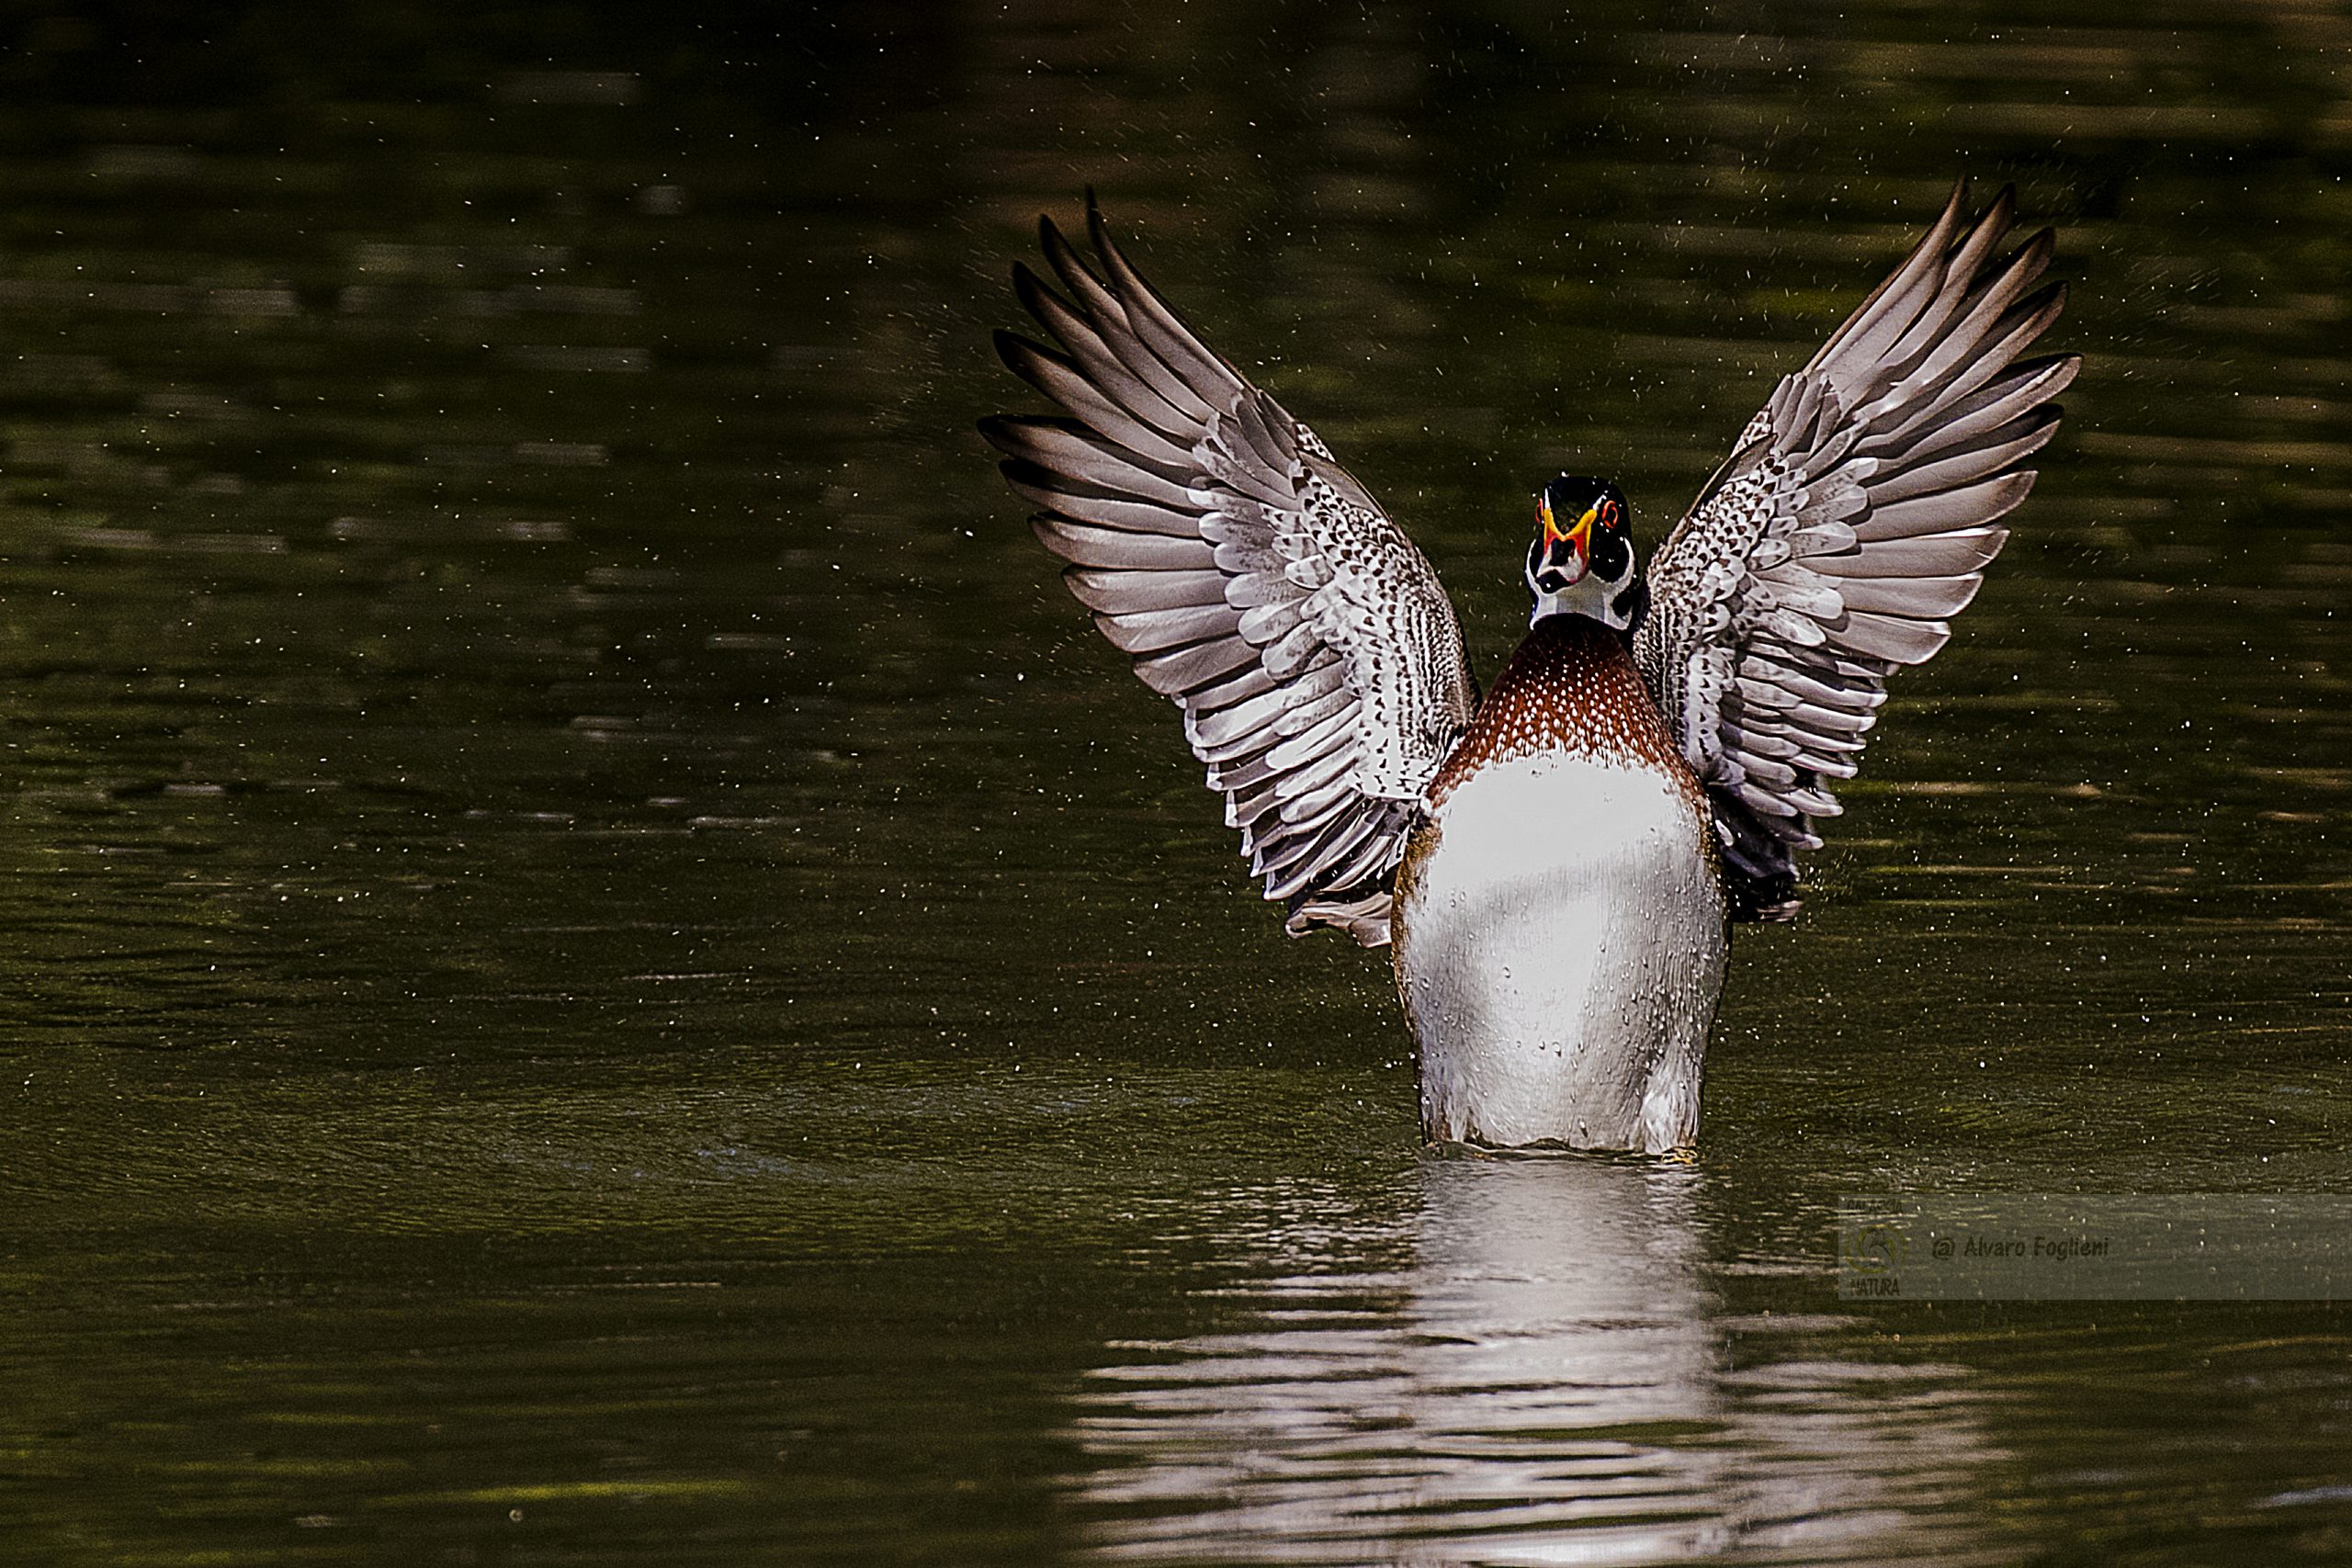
point(1635, 777)
point(1316, 657)
point(1857, 512)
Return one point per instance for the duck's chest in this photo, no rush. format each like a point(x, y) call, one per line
point(1560, 921)
point(1566, 847)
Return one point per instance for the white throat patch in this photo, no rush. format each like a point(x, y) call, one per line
point(1590, 596)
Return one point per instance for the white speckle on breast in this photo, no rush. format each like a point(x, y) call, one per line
point(1560, 947)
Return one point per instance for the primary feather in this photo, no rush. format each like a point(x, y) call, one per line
point(1856, 513)
point(1314, 653)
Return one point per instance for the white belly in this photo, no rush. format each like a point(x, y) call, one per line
point(1559, 949)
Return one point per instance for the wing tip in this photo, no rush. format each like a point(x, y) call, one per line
point(2003, 205)
point(1763, 909)
point(1367, 916)
point(1098, 234)
point(1012, 348)
point(2041, 245)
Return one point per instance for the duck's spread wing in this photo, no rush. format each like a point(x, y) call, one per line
point(1310, 646)
point(1857, 512)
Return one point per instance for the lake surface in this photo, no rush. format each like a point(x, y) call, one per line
point(602, 969)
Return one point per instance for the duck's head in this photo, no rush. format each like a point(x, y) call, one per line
point(1582, 560)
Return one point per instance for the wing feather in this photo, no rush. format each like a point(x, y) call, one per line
point(1113, 548)
point(1854, 519)
point(1058, 378)
point(1174, 673)
point(1986, 501)
point(1118, 593)
point(1314, 653)
point(1093, 356)
point(1149, 631)
point(1928, 473)
point(1118, 333)
point(1962, 550)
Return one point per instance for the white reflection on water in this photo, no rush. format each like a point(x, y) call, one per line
point(1549, 1379)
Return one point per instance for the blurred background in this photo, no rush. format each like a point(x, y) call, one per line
point(601, 968)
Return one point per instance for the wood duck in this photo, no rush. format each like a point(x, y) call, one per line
point(1555, 866)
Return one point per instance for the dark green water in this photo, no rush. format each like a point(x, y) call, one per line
point(600, 968)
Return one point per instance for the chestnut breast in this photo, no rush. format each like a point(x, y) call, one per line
point(1570, 689)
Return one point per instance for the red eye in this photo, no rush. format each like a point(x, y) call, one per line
point(1609, 515)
